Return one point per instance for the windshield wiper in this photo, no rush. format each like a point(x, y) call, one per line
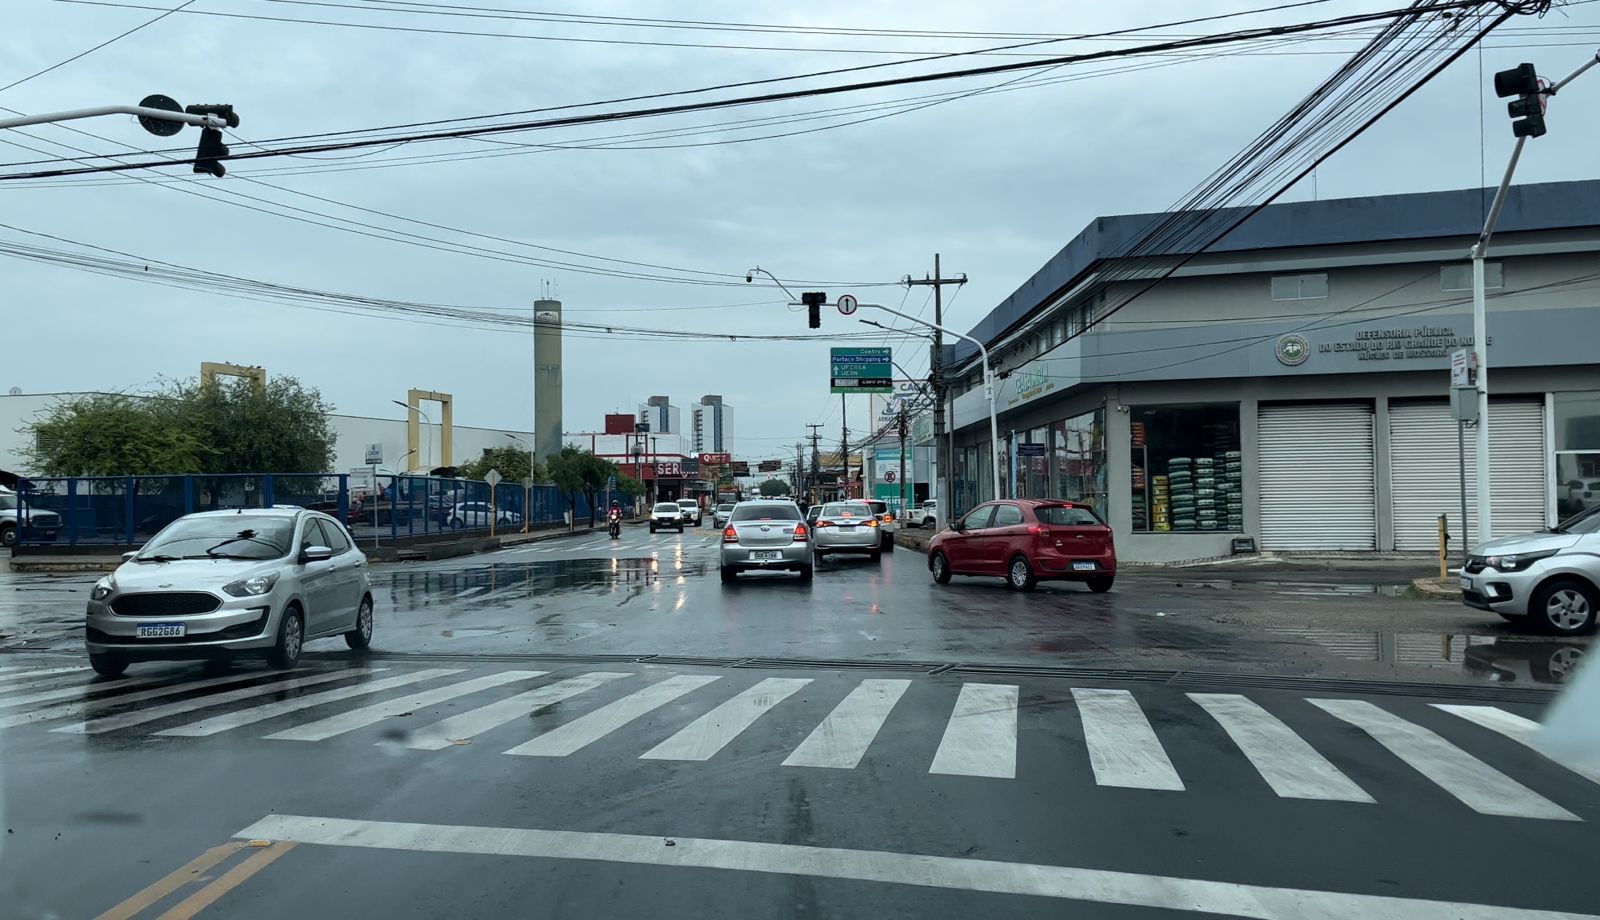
point(209, 554)
point(161, 557)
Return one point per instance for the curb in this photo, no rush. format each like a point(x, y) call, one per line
point(1447, 588)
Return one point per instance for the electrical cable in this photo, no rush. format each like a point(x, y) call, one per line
point(115, 38)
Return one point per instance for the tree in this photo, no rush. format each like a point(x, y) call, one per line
point(629, 486)
point(566, 471)
point(103, 434)
point(774, 486)
point(513, 463)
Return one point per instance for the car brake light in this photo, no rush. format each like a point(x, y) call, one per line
point(873, 522)
point(888, 517)
point(825, 524)
point(729, 535)
point(1038, 530)
point(800, 532)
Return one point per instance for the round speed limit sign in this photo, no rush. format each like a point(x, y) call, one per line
point(847, 304)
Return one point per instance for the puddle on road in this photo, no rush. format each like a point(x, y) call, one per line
point(1300, 588)
point(1501, 659)
point(503, 583)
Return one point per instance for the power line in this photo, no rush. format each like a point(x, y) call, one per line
point(1207, 41)
point(83, 54)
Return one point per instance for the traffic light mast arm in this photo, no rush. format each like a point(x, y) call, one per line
point(988, 381)
point(204, 121)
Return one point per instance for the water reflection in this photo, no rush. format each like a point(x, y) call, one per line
point(1496, 658)
point(503, 584)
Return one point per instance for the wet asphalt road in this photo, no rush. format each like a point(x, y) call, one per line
point(587, 729)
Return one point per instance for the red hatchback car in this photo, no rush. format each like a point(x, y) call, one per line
point(1027, 540)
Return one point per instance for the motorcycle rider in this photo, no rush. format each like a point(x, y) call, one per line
point(614, 518)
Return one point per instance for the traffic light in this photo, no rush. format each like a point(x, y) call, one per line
point(207, 155)
point(814, 301)
point(1527, 110)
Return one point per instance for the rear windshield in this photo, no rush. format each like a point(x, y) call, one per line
point(688, 503)
point(667, 506)
point(772, 512)
point(230, 536)
point(1065, 515)
point(843, 510)
point(878, 507)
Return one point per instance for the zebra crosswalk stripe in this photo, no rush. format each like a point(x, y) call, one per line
point(81, 690)
point(445, 732)
point(1123, 748)
point(1476, 784)
point(352, 719)
point(591, 727)
point(1292, 767)
point(76, 710)
point(95, 726)
point(34, 674)
point(705, 736)
point(253, 714)
point(1512, 726)
point(842, 739)
point(981, 737)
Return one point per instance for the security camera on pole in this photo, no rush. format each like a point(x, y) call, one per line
point(1527, 112)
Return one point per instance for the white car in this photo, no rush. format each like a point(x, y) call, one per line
point(664, 515)
point(720, 515)
point(220, 584)
point(691, 511)
point(478, 514)
point(928, 513)
point(886, 523)
point(16, 517)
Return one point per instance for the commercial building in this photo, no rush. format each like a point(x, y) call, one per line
point(661, 415)
point(711, 424)
point(1290, 384)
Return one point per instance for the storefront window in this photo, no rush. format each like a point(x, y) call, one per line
point(1078, 460)
point(1576, 437)
point(1033, 463)
point(965, 481)
point(1187, 469)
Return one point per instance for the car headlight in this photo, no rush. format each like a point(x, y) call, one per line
point(254, 586)
point(103, 588)
point(1516, 562)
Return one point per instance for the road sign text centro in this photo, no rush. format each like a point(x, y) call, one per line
point(861, 370)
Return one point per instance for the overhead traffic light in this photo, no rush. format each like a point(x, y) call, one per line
point(207, 157)
point(814, 301)
point(1527, 110)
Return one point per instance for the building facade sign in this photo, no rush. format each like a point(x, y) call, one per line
point(1397, 344)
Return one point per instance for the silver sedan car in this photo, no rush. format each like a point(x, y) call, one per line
point(767, 534)
point(847, 527)
point(219, 584)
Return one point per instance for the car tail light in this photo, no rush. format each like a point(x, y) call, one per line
point(800, 532)
point(873, 522)
point(1038, 530)
point(729, 535)
point(888, 517)
point(825, 524)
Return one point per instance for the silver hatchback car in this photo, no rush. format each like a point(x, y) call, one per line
point(847, 527)
point(220, 584)
point(1551, 578)
point(768, 534)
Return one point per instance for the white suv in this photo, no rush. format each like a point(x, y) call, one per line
point(664, 515)
point(886, 524)
point(691, 510)
point(15, 516)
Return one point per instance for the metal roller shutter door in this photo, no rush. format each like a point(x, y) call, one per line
point(1424, 476)
point(1317, 477)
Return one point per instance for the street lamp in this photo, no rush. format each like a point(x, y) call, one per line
point(428, 457)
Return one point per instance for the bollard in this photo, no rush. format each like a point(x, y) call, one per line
point(1444, 543)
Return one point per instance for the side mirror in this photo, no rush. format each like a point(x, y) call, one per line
point(957, 526)
point(315, 554)
point(128, 557)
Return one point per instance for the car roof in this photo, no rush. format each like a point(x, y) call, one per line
point(259, 512)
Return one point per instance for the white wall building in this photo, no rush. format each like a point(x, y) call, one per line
point(662, 416)
point(711, 425)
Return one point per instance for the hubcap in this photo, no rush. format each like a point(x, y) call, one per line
point(291, 642)
point(1567, 609)
point(366, 619)
point(1564, 661)
point(938, 565)
point(1019, 572)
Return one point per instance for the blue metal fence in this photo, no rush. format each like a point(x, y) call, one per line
point(128, 510)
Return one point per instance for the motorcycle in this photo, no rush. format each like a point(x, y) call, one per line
point(615, 522)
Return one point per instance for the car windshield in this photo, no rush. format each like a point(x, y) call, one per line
point(688, 502)
point(724, 507)
point(842, 509)
point(878, 507)
point(1587, 521)
point(226, 536)
point(776, 511)
point(1065, 515)
point(8, 502)
point(667, 506)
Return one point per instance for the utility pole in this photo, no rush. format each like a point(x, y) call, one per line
point(944, 456)
point(816, 460)
point(844, 446)
point(904, 430)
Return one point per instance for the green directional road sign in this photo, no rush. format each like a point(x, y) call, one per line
point(861, 370)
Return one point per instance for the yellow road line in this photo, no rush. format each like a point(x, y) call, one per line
point(172, 882)
point(205, 897)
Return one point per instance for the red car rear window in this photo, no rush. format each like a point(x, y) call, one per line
point(1065, 515)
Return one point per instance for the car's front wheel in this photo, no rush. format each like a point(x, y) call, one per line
point(285, 652)
point(1019, 574)
point(108, 665)
point(361, 636)
point(8, 535)
point(940, 566)
point(1566, 607)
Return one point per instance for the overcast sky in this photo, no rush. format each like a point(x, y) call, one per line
point(996, 182)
